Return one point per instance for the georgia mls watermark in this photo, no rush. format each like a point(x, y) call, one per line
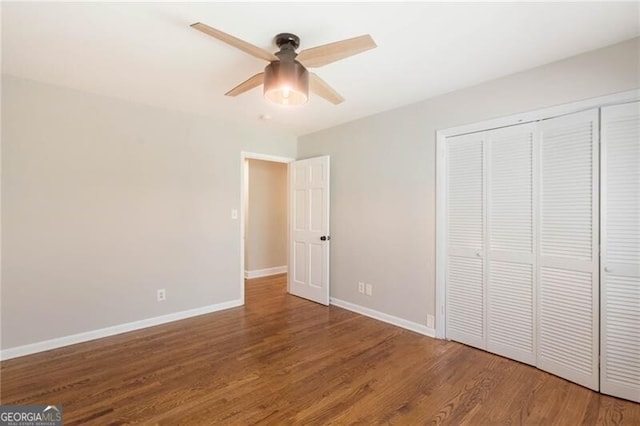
point(30, 415)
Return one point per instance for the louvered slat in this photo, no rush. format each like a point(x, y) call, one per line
point(621, 337)
point(511, 191)
point(565, 318)
point(567, 310)
point(465, 205)
point(465, 311)
point(465, 239)
point(510, 309)
point(620, 273)
point(567, 187)
point(623, 187)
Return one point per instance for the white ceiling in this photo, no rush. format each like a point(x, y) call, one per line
point(146, 52)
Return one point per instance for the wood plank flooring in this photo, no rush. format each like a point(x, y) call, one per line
point(284, 360)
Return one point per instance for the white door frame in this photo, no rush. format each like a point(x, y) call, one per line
point(244, 186)
point(441, 174)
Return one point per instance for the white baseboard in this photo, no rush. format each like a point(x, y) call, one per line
point(257, 273)
point(390, 319)
point(110, 331)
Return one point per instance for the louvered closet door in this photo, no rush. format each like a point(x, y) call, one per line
point(620, 257)
point(568, 289)
point(510, 251)
point(465, 239)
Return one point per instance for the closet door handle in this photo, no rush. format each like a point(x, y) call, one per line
point(607, 269)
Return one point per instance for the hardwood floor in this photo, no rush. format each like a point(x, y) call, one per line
point(284, 360)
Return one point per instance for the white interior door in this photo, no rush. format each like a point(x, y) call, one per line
point(309, 233)
point(465, 276)
point(510, 246)
point(620, 256)
point(568, 289)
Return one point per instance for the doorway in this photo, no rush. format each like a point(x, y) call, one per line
point(264, 216)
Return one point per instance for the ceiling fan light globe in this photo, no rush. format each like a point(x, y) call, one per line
point(286, 83)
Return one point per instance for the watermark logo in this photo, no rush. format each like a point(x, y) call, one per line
point(30, 415)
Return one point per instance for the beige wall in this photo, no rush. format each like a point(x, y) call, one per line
point(383, 174)
point(105, 201)
point(266, 229)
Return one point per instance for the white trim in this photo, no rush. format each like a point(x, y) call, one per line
point(244, 182)
point(544, 113)
point(441, 173)
point(111, 331)
point(258, 273)
point(266, 157)
point(380, 316)
point(441, 234)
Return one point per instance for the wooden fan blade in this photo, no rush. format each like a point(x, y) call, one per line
point(246, 85)
point(328, 53)
point(322, 89)
point(235, 42)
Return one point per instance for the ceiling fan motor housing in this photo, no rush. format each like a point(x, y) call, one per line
point(286, 82)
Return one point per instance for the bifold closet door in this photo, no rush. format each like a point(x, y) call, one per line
point(620, 255)
point(568, 287)
point(510, 251)
point(465, 296)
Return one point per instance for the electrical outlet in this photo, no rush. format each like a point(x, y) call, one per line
point(369, 289)
point(162, 295)
point(430, 321)
point(360, 287)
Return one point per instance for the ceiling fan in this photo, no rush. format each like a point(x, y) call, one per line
point(286, 79)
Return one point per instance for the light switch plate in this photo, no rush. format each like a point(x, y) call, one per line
point(234, 214)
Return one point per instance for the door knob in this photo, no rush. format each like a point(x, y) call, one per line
point(325, 238)
point(478, 254)
point(607, 269)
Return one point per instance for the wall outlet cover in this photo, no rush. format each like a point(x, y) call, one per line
point(369, 289)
